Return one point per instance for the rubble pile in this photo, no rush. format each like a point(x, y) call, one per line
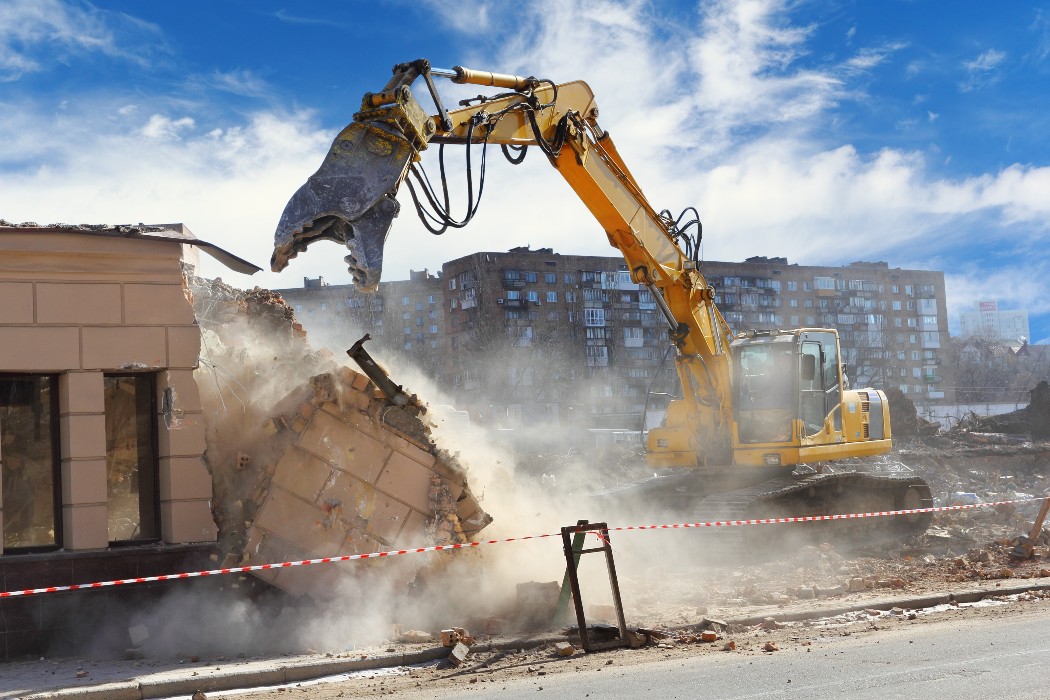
point(308, 458)
point(1033, 419)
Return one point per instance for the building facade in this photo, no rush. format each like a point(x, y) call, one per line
point(991, 323)
point(892, 323)
point(102, 436)
point(526, 336)
point(405, 318)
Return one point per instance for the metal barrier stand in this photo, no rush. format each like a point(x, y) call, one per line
point(572, 555)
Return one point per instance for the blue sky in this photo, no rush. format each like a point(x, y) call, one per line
point(910, 131)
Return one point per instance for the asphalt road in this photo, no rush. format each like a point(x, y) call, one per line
point(952, 657)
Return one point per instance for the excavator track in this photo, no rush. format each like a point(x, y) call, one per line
point(814, 495)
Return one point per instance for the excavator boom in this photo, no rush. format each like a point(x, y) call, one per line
point(754, 405)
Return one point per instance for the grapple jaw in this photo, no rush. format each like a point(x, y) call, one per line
point(350, 200)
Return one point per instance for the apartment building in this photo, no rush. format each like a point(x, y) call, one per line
point(405, 318)
point(541, 337)
point(527, 336)
point(892, 323)
point(990, 322)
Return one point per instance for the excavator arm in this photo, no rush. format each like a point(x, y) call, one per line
point(351, 200)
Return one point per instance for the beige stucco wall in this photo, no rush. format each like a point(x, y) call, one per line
point(79, 305)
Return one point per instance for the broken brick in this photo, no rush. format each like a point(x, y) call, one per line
point(564, 649)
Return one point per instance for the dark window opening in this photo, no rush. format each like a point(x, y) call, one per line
point(29, 456)
point(131, 457)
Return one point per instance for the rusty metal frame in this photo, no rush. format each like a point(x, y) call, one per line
point(572, 556)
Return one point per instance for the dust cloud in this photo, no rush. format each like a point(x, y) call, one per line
point(532, 482)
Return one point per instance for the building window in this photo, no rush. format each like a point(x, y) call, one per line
point(532, 296)
point(431, 299)
point(552, 297)
point(404, 301)
point(131, 457)
point(594, 317)
point(433, 329)
point(324, 306)
point(550, 277)
point(29, 455)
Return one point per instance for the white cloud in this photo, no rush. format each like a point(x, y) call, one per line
point(238, 82)
point(710, 110)
point(981, 71)
point(161, 127)
point(985, 62)
point(36, 34)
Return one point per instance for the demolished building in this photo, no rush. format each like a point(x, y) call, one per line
point(142, 434)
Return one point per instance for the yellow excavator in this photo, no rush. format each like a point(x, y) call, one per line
point(761, 412)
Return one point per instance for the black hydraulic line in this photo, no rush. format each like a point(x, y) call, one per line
point(649, 390)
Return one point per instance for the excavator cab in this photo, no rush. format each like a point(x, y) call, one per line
point(790, 402)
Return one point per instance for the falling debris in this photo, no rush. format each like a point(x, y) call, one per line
point(308, 458)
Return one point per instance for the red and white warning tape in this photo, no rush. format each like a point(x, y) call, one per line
point(468, 545)
point(814, 518)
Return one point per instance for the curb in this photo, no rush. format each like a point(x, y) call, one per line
point(182, 684)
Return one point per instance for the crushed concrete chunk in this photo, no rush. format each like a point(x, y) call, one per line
point(308, 460)
point(458, 654)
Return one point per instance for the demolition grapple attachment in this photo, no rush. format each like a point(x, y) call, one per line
point(351, 197)
point(349, 200)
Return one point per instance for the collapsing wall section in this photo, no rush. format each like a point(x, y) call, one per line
point(308, 458)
